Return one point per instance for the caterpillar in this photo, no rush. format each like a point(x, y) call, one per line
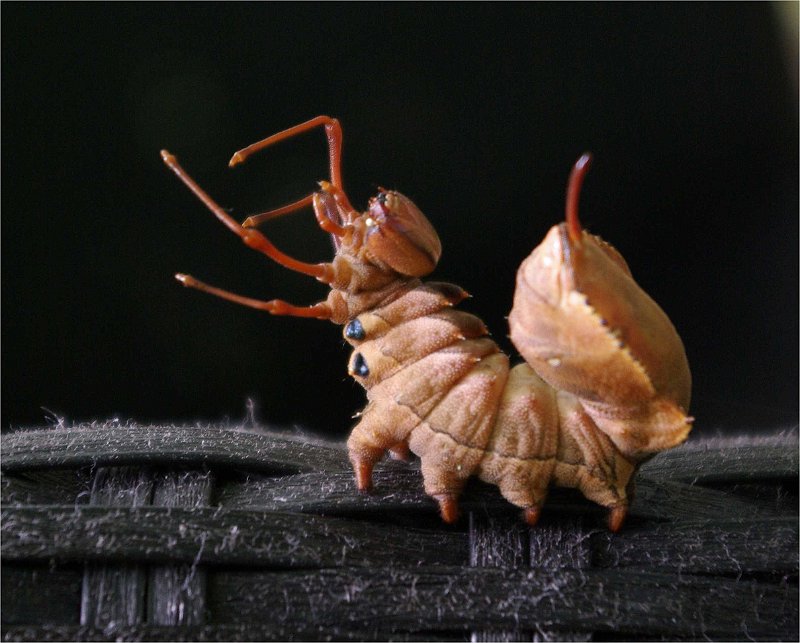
point(605, 383)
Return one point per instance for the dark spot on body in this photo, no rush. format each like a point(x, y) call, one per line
point(354, 330)
point(360, 367)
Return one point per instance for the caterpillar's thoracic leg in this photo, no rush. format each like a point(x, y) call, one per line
point(327, 211)
point(253, 238)
point(333, 132)
point(255, 220)
point(320, 310)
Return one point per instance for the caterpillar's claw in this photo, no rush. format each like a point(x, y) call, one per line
point(616, 517)
point(363, 470)
point(448, 507)
point(532, 515)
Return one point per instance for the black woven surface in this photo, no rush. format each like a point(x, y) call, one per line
point(208, 533)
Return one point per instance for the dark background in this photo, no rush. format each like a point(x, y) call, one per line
point(474, 111)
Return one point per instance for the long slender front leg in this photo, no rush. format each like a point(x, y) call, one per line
point(255, 220)
point(333, 132)
point(326, 211)
point(320, 310)
point(253, 238)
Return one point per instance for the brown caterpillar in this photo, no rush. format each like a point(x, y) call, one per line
point(605, 386)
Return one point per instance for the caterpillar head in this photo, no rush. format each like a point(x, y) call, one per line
point(400, 236)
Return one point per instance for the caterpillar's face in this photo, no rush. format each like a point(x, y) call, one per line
point(399, 235)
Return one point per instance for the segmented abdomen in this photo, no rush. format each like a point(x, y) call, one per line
point(436, 382)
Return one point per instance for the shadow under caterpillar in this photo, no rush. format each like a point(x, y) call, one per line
point(604, 386)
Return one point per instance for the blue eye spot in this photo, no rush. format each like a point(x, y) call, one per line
point(360, 365)
point(354, 330)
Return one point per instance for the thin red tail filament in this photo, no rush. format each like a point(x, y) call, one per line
point(573, 196)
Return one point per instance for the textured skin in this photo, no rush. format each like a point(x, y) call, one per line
point(581, 321)
point(439, 384)
point(582, 413)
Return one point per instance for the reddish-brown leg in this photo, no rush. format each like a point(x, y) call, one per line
point(341, 199)
point(255, 220)
point(448, 507)
point(275, 307)
point(325, 211)
point(253, 238)
point(333, 132)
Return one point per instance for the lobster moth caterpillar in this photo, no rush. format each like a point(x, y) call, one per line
point(605, 383)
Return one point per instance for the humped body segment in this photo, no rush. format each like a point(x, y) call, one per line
point(439, 384)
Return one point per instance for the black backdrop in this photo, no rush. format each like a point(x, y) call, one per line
point(475, 111)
